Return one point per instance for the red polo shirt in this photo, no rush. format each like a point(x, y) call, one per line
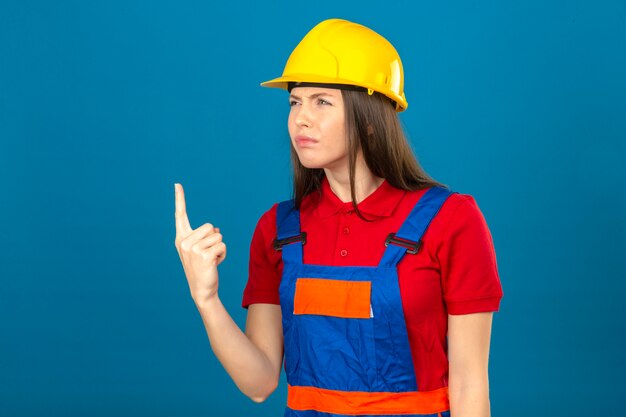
point(454, 271)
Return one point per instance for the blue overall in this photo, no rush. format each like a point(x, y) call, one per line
point(348, 355)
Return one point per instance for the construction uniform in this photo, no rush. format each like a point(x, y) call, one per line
point(365, 309)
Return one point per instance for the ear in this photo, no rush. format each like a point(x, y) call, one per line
point(370, 129)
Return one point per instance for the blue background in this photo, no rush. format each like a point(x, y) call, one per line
point(104, 106)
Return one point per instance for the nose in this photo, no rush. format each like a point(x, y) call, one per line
point(303, 115)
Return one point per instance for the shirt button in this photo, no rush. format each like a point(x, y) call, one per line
point(344, 252)
point(346, 230)
point(349, 212)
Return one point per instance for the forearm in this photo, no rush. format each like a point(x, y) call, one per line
point(247, 365)
point(469, 399)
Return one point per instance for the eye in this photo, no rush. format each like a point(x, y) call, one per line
point(292, 103)
point(324, 102)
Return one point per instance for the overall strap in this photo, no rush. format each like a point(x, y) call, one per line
point(407, 239)
point(289, 238)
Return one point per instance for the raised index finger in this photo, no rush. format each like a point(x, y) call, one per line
point(183, 228)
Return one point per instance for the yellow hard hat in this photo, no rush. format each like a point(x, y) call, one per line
point(337, 51)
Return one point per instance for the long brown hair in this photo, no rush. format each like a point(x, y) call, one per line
point(373, 126)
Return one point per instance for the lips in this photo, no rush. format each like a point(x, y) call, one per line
point(305, 141)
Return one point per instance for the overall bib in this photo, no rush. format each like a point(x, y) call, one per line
point(346, 345)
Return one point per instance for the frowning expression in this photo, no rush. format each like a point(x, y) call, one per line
point(317, 127)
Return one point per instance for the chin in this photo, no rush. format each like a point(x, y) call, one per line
point(323, 163)
point(308, 162)
point(311, 164)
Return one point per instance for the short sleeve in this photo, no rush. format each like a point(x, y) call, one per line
point(264, 266)
point(469, 270)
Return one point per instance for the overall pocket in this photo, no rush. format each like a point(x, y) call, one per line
point(335, 333)
point(332, 297)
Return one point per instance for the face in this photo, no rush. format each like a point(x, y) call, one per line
point(316, 127)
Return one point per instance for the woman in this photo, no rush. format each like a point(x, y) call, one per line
point(361, 276)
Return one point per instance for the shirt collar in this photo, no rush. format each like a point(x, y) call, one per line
point(381, 203)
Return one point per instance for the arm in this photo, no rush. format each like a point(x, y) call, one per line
point(253, 360)
point(468, 354)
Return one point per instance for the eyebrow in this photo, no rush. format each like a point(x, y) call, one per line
point(312, 95)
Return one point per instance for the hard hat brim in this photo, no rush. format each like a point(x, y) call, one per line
point(282, 83)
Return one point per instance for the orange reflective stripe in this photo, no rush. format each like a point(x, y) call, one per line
point(367, 403)
point(333, 297)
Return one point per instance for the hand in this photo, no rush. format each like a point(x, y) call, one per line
point(200, 251)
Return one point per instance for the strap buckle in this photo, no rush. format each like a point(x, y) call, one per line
point(411, 246)
point(279, 243)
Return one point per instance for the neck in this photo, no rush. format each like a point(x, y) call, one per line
point(365, 183)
